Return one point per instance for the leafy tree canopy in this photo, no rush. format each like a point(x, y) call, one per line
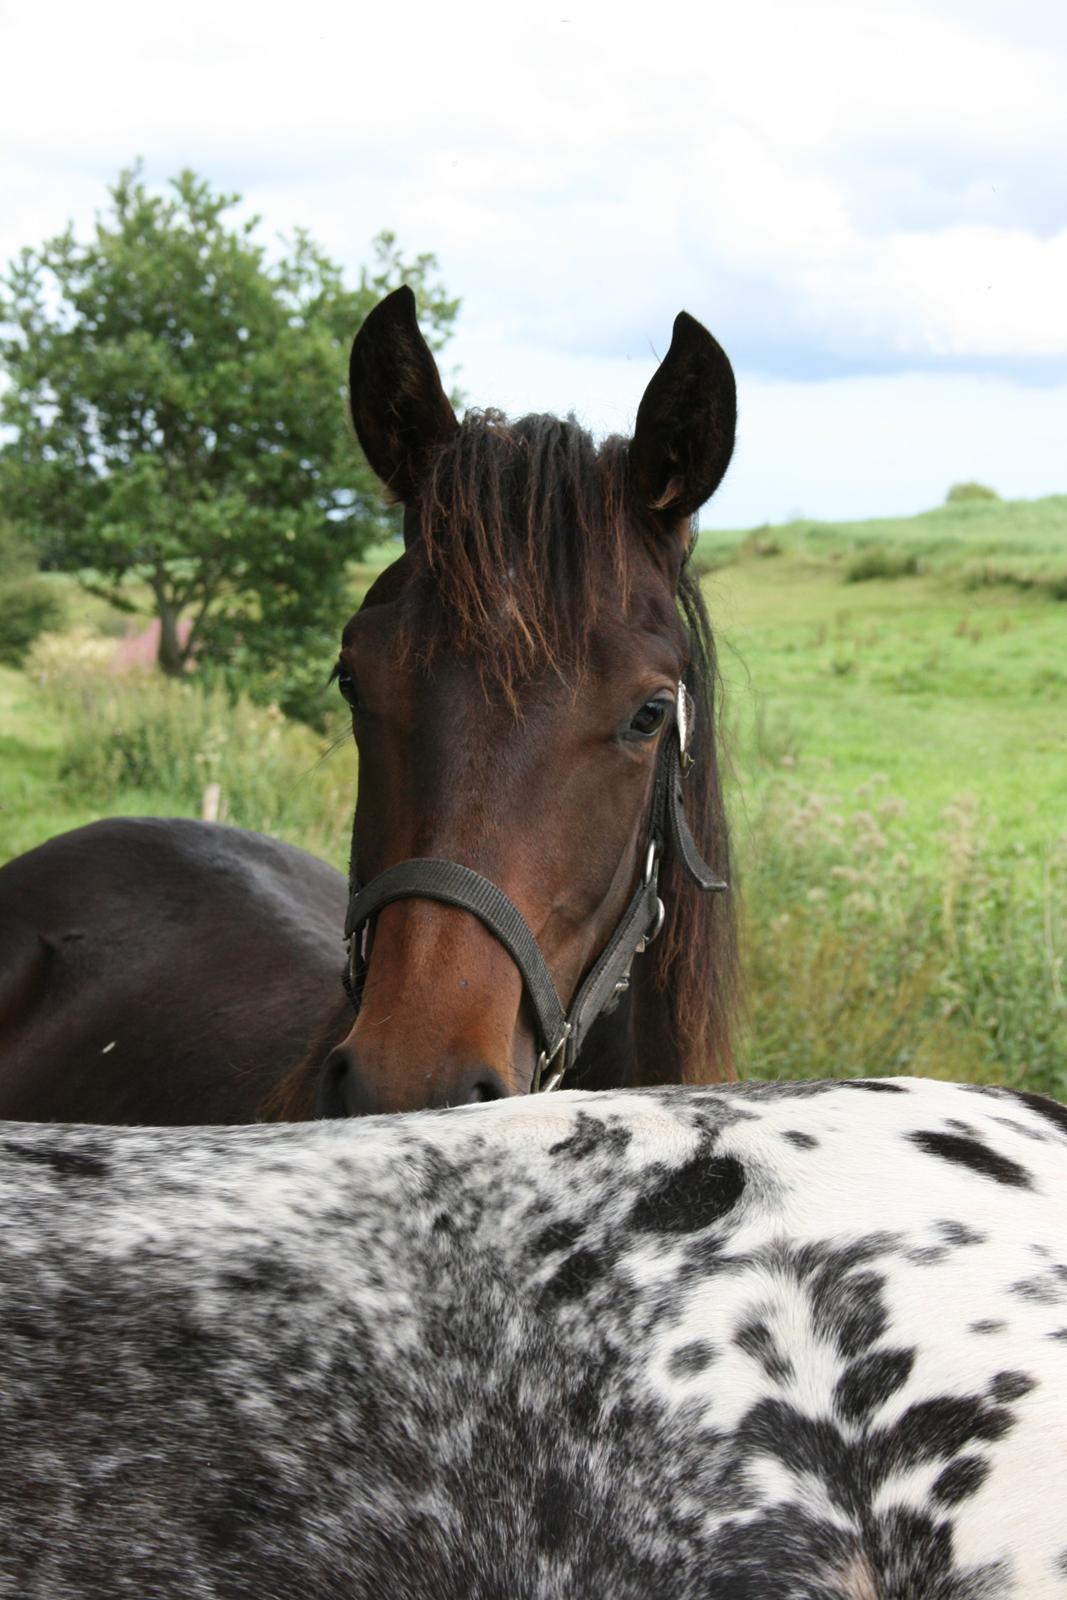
point(175, 417)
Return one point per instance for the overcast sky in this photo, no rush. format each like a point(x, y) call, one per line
point(865, 202)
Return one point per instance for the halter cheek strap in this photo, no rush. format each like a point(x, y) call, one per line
point(561, 1034)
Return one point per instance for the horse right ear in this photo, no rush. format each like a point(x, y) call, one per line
point(399, 408)
point(684, 434)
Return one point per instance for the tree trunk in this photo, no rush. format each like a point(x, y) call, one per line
point(171, 655)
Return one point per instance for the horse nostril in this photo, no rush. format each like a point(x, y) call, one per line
point(330, 1100)
point(344, 1089)
point(485, 1086)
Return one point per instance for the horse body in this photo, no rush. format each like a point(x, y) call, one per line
point(161, 971)
point(798, 1340)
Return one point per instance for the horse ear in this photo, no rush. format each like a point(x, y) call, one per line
point(399, 408)
point(684, 435)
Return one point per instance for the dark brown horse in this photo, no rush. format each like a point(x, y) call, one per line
point(516, 683)
point(163, 971)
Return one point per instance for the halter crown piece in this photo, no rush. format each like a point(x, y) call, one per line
point(561, 1034)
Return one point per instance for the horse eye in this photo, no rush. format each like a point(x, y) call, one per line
point(650, 719)
point(347, 685)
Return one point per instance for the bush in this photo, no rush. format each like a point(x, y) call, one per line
point(879, 563)
point(760, 544)
point(62, 663)
point(1024, 573)
point(294, 675)
point(969, 491)
point(28, 608)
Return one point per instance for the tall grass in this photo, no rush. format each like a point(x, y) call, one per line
point(178, 737)
point(859, 963)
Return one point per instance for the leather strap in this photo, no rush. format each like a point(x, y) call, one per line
point(424, 878)
point(681, 836)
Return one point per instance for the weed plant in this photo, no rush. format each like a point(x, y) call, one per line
point(877, 562)
point(858, 962)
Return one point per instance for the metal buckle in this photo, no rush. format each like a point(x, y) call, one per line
point(545, 1060)
point(656, 929)
point(655, 850)
point(351, 946)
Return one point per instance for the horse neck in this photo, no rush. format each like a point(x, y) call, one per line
point(634, 1046)
point(661, 1053)
point(658, 1057)
point(607, 1059)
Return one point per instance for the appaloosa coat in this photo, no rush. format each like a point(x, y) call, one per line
point(761, 1342)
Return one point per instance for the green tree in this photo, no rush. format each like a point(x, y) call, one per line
point(176, 427)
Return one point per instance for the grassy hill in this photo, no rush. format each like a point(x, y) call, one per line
point(977, 541)
point(947, 677)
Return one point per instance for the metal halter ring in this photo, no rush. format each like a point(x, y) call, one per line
point(655, 850)
point(655, 930)
point(545, 1060)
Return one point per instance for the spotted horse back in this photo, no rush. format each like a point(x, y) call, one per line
point(806, 1341)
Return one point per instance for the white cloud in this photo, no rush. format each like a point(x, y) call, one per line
point(832, 187)
point(845, 449)
point(860, 447)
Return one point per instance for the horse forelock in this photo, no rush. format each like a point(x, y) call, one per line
point(523, 538)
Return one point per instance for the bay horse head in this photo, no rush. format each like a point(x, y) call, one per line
point(517, 680)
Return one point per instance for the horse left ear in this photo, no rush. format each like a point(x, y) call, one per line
point(399, 407)
point(684, 436)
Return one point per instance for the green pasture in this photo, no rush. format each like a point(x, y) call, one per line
point(896, 716)
point(963, 535)
point(934, 691)
point(896, 726)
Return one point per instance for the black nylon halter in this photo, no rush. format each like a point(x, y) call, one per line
point(561, 1034)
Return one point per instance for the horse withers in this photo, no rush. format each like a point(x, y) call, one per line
point(532, 686)
point(793, 1340)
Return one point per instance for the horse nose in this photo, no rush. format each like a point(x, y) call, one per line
point(347, 1090)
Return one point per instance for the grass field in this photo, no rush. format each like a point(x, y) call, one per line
point(899, 748)
point(896, 719)
point(943, 690)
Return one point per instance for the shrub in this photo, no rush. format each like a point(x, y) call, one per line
point(28, 608)
point(294, 676)
point(1024, 573)
point(969, 491)
point(761, 544)
point(880, 563)
point(65, 662)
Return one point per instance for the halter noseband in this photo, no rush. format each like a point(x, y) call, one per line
point(561, 1034)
